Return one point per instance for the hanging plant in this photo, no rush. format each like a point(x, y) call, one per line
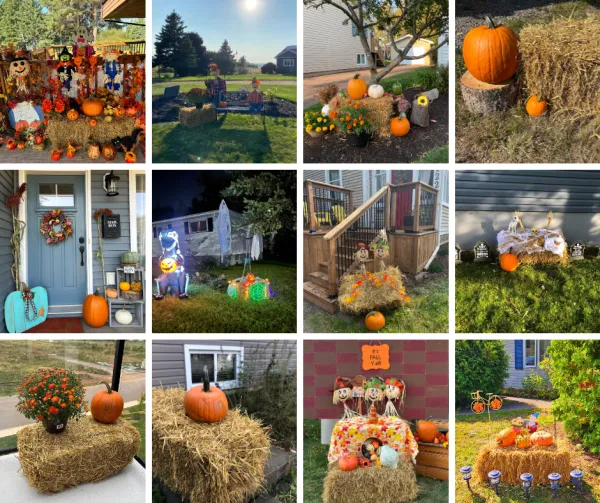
point(13, 201)
point(99, 254)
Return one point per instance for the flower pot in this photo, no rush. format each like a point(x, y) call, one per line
point(314, 134)
point(54, 428)
point(359, 140)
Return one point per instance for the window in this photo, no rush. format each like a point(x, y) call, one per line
point(379, 179)
point(205, 225)
point(56, 195)
point(543, 347)
point(355, 31)
point(223, 364)
point(530, 354)
point(361, 59)
point(334, 177)
point(289, 62)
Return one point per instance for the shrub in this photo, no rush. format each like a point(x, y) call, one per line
point(426, 79)
point(480, 365)
point(327, 93)
point(269, 68)
point(574, 369)
point(538, 386)
point(444, 73)
point(435, 267)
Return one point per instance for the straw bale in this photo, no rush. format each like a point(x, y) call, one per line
point(207, 463)
point(371, 485)
point(79, 132)
point(512, 462)
point(559, 62)
point(87, 451)
point(544, 257)
point(194, 117)
point(380, 110)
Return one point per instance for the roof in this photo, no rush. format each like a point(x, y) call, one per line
point(194, 215)
point(120, 9)
point(408, 36)
point(289, 48)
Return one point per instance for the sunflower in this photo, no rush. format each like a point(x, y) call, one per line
point(422, 100)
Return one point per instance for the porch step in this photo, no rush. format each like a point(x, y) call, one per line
point(318, 296)
point(324, 267)
point(320, 279)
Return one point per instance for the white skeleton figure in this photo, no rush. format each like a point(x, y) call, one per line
point(342, 393)
point(512, 226)
point(394, 390)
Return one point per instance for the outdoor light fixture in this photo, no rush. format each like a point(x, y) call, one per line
point(554, 483)
point(466, 475)
point(494, 477)
point(577, 480)
point(526, 479)
point(110, 184)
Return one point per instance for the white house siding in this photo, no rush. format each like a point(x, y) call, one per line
point(329, 46)
point(516, 376)
point(442, 53)
point(445, 225)
point(351, 179)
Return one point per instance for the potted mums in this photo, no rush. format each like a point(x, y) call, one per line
point(316, 124)
point(354, 121)
point(52, 396)
point(198, 96)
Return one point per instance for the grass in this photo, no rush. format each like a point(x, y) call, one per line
point(534, 299)
point(439, 155)
point(472, 433)
point(315, 470)
point(168, 76)
point(285, 92)
point(426, 313)
point(210, 311)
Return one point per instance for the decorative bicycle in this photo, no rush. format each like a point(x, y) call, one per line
point(479, 404)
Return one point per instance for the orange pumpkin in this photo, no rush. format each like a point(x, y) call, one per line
point(206, 403)
point(111, 293)
point(124, 286)
point(130, 157)
point(72, 114)
point(357, 87)
point(21, 145)
point(523, 441)
point(348, 463)
point(426, 430)
point(91, 108)
point(119, 112)
point(506, 437)
point(95, 310)
point(400, 126)
point(11, 144)
point(131, 112)
point(541, 438)
point(536, 106)
point(55, 154)
point(490, 52)
point(93, 123)
point(374, 321)
point(107, 405)
point(108, 151)
point(94, 151)
point(509, 262)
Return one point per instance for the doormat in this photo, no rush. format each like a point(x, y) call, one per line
point(58, 326)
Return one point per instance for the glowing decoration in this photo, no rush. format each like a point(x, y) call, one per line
point(250, 287)
point(171, 262)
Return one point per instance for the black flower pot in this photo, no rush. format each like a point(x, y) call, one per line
point(358, 140)
point(55, 428)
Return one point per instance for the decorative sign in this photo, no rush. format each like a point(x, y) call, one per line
point(129, 269)
point(577, 250)
point(376, 357)
point(457, 252)
point(482, 252)
point(25, 111)
point(111, 226)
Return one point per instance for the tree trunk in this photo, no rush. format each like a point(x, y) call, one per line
point(419, 114)
point(482, 98)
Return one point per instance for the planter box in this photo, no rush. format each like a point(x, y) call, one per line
point(432, 461)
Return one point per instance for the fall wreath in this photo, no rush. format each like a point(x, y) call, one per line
point(56, 226)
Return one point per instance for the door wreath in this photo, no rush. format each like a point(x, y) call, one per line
point(56, 226)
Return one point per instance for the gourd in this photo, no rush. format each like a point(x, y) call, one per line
point(509, 262)
point(374, 321)
point(523, 441)
point(348, 463)
point(108, 151)
point(73, 114)
point(11, 144)
point(357, 87)
point(376, 91)
point(400, 126)
point(95, 310)
point(426, 430)
point(111, 293)
point(107, 405)
point(130, 157)
point(123, 317)
point(397, 88)
point(129, 257)
point(93, 123)
point(536, 106)
point(506, 437)
point(131, 112)
point(92, 107)
point(490, 52)
point(541, 438)
point(94, 151)
point(206, 403)
point(136, 286)
point(124, 286)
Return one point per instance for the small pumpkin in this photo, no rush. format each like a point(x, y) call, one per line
point(136, 286)
point(426, 430)
point(21, 145)
point(111, 293)
point(92, 107)
point(400, 126)
point(55, 154)
point(506, 437)
point(376, 91)
point(348, 463)
point(206, 403)
point(222, 104)
point(357, 87)
point(119, 112)
point(72, 114)
point(93, 123)
point(94, 151)
point(108, 151)
point(374, 321)
point(365, 463)
point(107, 405)
point(523, 441)
point(124, 286)
point(39, 139)
point(509, 262)
point(129, 257)
point(123, 317)
point(536, 106)
point(11, 144)
point(131, 112)
point(541, 438)
point(95, 310)
point(130, 157)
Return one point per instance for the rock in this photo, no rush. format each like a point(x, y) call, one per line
point(421, 276)
point(171, 92)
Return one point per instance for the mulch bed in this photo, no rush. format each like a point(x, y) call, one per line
point(167, 110)
point(333, 149)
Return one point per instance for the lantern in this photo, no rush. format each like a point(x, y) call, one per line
point(554, 483)
point(577, 480)
point(466, 475)
point(527, 482)
point(494, 477)
point(110, 184)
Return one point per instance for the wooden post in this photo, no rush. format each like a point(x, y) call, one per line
point(386, 210)
point(332, 267)
point(312, 221)
point(435, 201)
point(393, 197)
point(417, 207)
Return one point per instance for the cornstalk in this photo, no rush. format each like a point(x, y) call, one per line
point(15, 243)
point(101, 251)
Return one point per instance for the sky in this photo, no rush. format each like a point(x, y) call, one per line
point(259, 33)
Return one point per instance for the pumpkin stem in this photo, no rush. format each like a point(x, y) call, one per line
point(490, 22)
point(107, 387)
point(97, 293)
point(206, 380)
point(357, 76)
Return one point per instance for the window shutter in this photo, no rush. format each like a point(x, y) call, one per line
point(186, 227)
point(354, 30)
point(210, 225)
point(519, 355)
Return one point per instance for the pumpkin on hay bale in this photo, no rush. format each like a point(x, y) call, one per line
point(220, 462)
point(512, 462)
point(557, 64)
point(371, 485)
point(381, 110)
point(87, 451)
point(79, 132)
point(194, 117)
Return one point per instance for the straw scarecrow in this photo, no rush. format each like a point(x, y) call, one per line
point(395, 390)
point(342, 393)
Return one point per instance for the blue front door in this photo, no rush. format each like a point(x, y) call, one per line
point(60, 268)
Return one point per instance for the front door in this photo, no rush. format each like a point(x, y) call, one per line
point(61, 267)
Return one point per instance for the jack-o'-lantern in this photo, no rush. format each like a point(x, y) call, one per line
point(11, 144)
point(168, 265)
point(94, 151)
point(108, 151)
point(130, 157)
point(72, 114)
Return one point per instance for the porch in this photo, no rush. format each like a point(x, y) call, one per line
point(332, 229)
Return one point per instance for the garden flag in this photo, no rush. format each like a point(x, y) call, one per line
point(224, 229)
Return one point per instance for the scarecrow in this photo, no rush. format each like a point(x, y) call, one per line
point(82, 43)
point(380, 248)
point(374, 391)
point(66, 68)
point(255, 98)
point(216, 87)
point(20, 69)
point(171, 264)
point(112, 70)
point(358, 392)
point(394, 391)
point(342, 393)
point(362, 255)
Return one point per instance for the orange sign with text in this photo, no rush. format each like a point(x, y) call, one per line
point(376, 357)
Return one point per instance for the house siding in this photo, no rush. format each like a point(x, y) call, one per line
point(351, 179)
point(168, 357)
point(516, 376)
point(422, 365)
point(8, 180)
point(442, 52)
point(486, 200)
point(445, 227)
point(287, 69)
point(419, 43)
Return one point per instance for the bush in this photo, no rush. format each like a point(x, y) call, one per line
point(444, 73)
point(269, 68)
point(480, 365)
point(435, 267)
point(538, 386)
point(574, 367)
point(426, 79)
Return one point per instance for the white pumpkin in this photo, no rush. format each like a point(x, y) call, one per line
point(376, 91)
point(123, 317)
point(325, 110)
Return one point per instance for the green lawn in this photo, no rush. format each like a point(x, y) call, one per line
point(209, 310)
point(263, 77)
point(315, 470)
point(426, 313)
point(474, 431)
point(285, 92)
point(532, 299)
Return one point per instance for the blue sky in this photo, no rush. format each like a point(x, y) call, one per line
point(259, 34)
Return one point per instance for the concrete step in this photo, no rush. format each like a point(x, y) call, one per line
point(318, 296)
point(320, 278)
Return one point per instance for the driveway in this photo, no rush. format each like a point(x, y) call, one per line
point(312, 84)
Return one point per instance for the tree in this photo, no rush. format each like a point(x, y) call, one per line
point(242, 66)
point(168, 41)
point(269, 68)
point(184, 58)
point(225, 59)
point(64, 16)
point(202, 58)
point(417, 18)
point(23, 23)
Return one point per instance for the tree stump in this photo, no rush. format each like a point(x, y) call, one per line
point(419, 114)
point(482, 98)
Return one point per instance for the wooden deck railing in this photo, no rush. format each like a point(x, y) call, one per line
point(413, 207)
point(126, 47)
point(325, 205)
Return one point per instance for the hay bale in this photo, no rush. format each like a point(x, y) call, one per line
point(206, 463)
point(87, 451)
point(559, 62)
point(512, 462)
point(371, 485)
point(544, 257)
point(380, 110)
point(79, 132)
point(194, 117)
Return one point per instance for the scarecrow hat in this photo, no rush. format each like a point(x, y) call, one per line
point(358, 381)
point(341, 383)
point(392, 381)
point(375, 382)
point(213, 67)
point(361, 245)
